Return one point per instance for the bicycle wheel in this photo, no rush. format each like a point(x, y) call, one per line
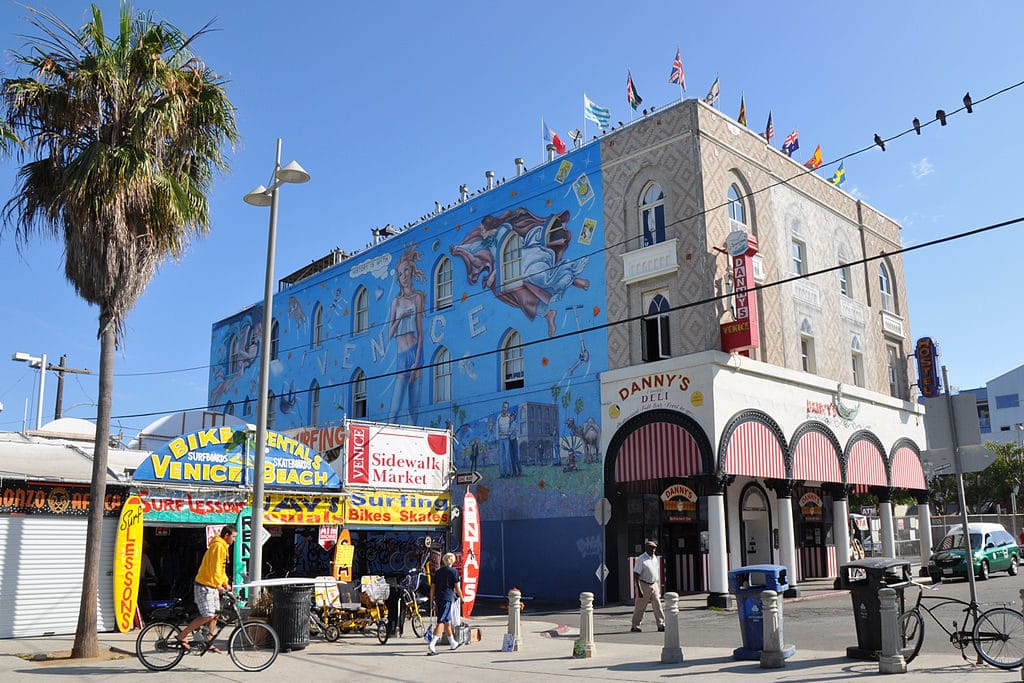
point(416, 621)
point(382, 632)
point(253, 646)
point(332, 634)
point(157, 646)
point(999, 637)
point(911, 627)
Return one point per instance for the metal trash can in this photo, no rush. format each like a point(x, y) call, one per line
point(747, 584)
point(864, 578)
point(290, 616)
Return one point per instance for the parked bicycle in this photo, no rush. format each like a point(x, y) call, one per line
point(319, 625)
point(997, 634)
point(252, 645)
point(412, 600)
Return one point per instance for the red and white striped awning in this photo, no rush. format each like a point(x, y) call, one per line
point(814, 459)
point(866, 466)
point(906, 470)
point(655, 451)
point(755, 452)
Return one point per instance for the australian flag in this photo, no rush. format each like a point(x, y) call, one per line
point(791, 143)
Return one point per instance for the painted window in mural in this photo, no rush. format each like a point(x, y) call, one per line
point(271, 410)
point(442, 376)
point(359, 394)
point(512, 362)
point(275, 340)
point(361, 322)
point(512, 259)
point(654, 330)
point(652, 215)
point(318, 327)
point(314, 403)
point(443, 284)
point(737, 212)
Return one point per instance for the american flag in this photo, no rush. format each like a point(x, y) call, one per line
point(792, 143)
point(677, 75)
point(769, 130)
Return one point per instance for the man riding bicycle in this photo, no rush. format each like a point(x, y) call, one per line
point(211, 581)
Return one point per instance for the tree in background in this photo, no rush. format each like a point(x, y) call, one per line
point(122, 138)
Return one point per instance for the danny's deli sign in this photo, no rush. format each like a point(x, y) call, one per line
point(381, 456)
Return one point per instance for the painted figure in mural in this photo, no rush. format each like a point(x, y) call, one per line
point(544, 274)
point(295, 311)
point(647, 585)
point(506, 427)
point(590, 434)
point(405, 326)
point(288, 399)
point(474, 455)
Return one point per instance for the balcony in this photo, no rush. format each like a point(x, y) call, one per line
point(892, 324)
point(807, 292)
point(648, 262)
point(851, 311)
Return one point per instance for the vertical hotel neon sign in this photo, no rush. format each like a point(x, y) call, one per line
point(742, 333)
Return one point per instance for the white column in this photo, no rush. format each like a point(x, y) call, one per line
point(772, 656)
point(891, 660)
point(924, 530)
point(671, 652)
point(787, 541)
point(514, 604)
point(841, 529)
point(888, 536)
point(718, 565)
point(587, 623)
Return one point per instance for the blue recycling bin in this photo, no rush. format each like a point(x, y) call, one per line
point(747, 584)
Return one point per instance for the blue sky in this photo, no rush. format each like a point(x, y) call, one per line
point(392, 105)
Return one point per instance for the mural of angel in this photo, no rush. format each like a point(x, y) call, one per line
point(405, 326)
point(544, 274)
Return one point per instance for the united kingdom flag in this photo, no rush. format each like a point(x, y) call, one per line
point(677, 75)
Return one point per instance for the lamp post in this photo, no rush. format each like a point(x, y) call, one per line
point(40, 363)
point(1016, 479)
point(266, 196)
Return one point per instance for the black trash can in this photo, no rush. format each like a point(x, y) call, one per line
point(864, 578)
point(290, 616)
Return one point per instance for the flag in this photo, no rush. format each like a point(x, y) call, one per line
point(815, 160)
point(769, 130)
point(551, 137)
point(677, 75)
point(792, 143)
point(602, 116)
point(742, 118)
point(631, 94)
point(712, 96)
point(840, 176)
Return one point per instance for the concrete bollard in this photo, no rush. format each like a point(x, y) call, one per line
point(891, 660)
point(671, 652)
point(771, 625)
point(514, 605)
point(586, 646)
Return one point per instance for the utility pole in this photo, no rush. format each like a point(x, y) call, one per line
point(60, 370)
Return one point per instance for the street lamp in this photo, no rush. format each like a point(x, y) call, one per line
point(1016, 479)
point(266, 196)
point(40, 363)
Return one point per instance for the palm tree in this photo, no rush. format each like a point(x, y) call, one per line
point(122, 137)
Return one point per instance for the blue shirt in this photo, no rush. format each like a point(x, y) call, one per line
point(445, 579)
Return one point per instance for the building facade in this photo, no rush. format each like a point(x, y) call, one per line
point(568, 326)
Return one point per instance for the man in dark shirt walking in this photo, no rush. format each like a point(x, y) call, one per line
point(445, 588)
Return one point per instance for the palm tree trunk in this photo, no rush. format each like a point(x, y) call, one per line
point(86, 642)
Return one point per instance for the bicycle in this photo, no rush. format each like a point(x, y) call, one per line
point(252, 645)
point(997, 634)
point(317, 624)
point(411, 600)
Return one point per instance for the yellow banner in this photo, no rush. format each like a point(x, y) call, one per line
point(128, 563)
point(374, 508)
point(303, 510)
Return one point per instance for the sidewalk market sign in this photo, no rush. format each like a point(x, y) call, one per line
point(35, 498)
point(223, 456)
point(383, 456)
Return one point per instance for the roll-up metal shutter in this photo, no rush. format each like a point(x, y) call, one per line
point(41, 574)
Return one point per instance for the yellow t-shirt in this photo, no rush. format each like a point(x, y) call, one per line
point(211, 572)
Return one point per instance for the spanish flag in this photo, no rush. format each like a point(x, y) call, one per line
point(742, 118)
point(815, 160)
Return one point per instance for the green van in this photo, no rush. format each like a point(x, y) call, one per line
point(993, 550)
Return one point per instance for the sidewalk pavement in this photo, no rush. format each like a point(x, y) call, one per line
point(546, 653)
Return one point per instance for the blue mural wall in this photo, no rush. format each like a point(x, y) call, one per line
point(526, 258)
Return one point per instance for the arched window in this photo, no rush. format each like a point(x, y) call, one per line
point(229, 408)
point(314, 403)
point(443, 284)
point(442, 376)
point(737, 212)
point(361, 322)
point(652, 215)
point(512, 375)
point(247, 407)
point(275, 339)
point(318, 326)
point(807, 359)
point(885, 285)
point(857, 361)
point(233, 364)
point(654, 330)
point(271, 410)
point(359, 394)
point(512, 258)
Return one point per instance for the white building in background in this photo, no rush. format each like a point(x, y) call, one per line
point(1001, 408)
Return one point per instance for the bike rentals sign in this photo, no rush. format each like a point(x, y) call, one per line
point(470, 553)
point(223, 456)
